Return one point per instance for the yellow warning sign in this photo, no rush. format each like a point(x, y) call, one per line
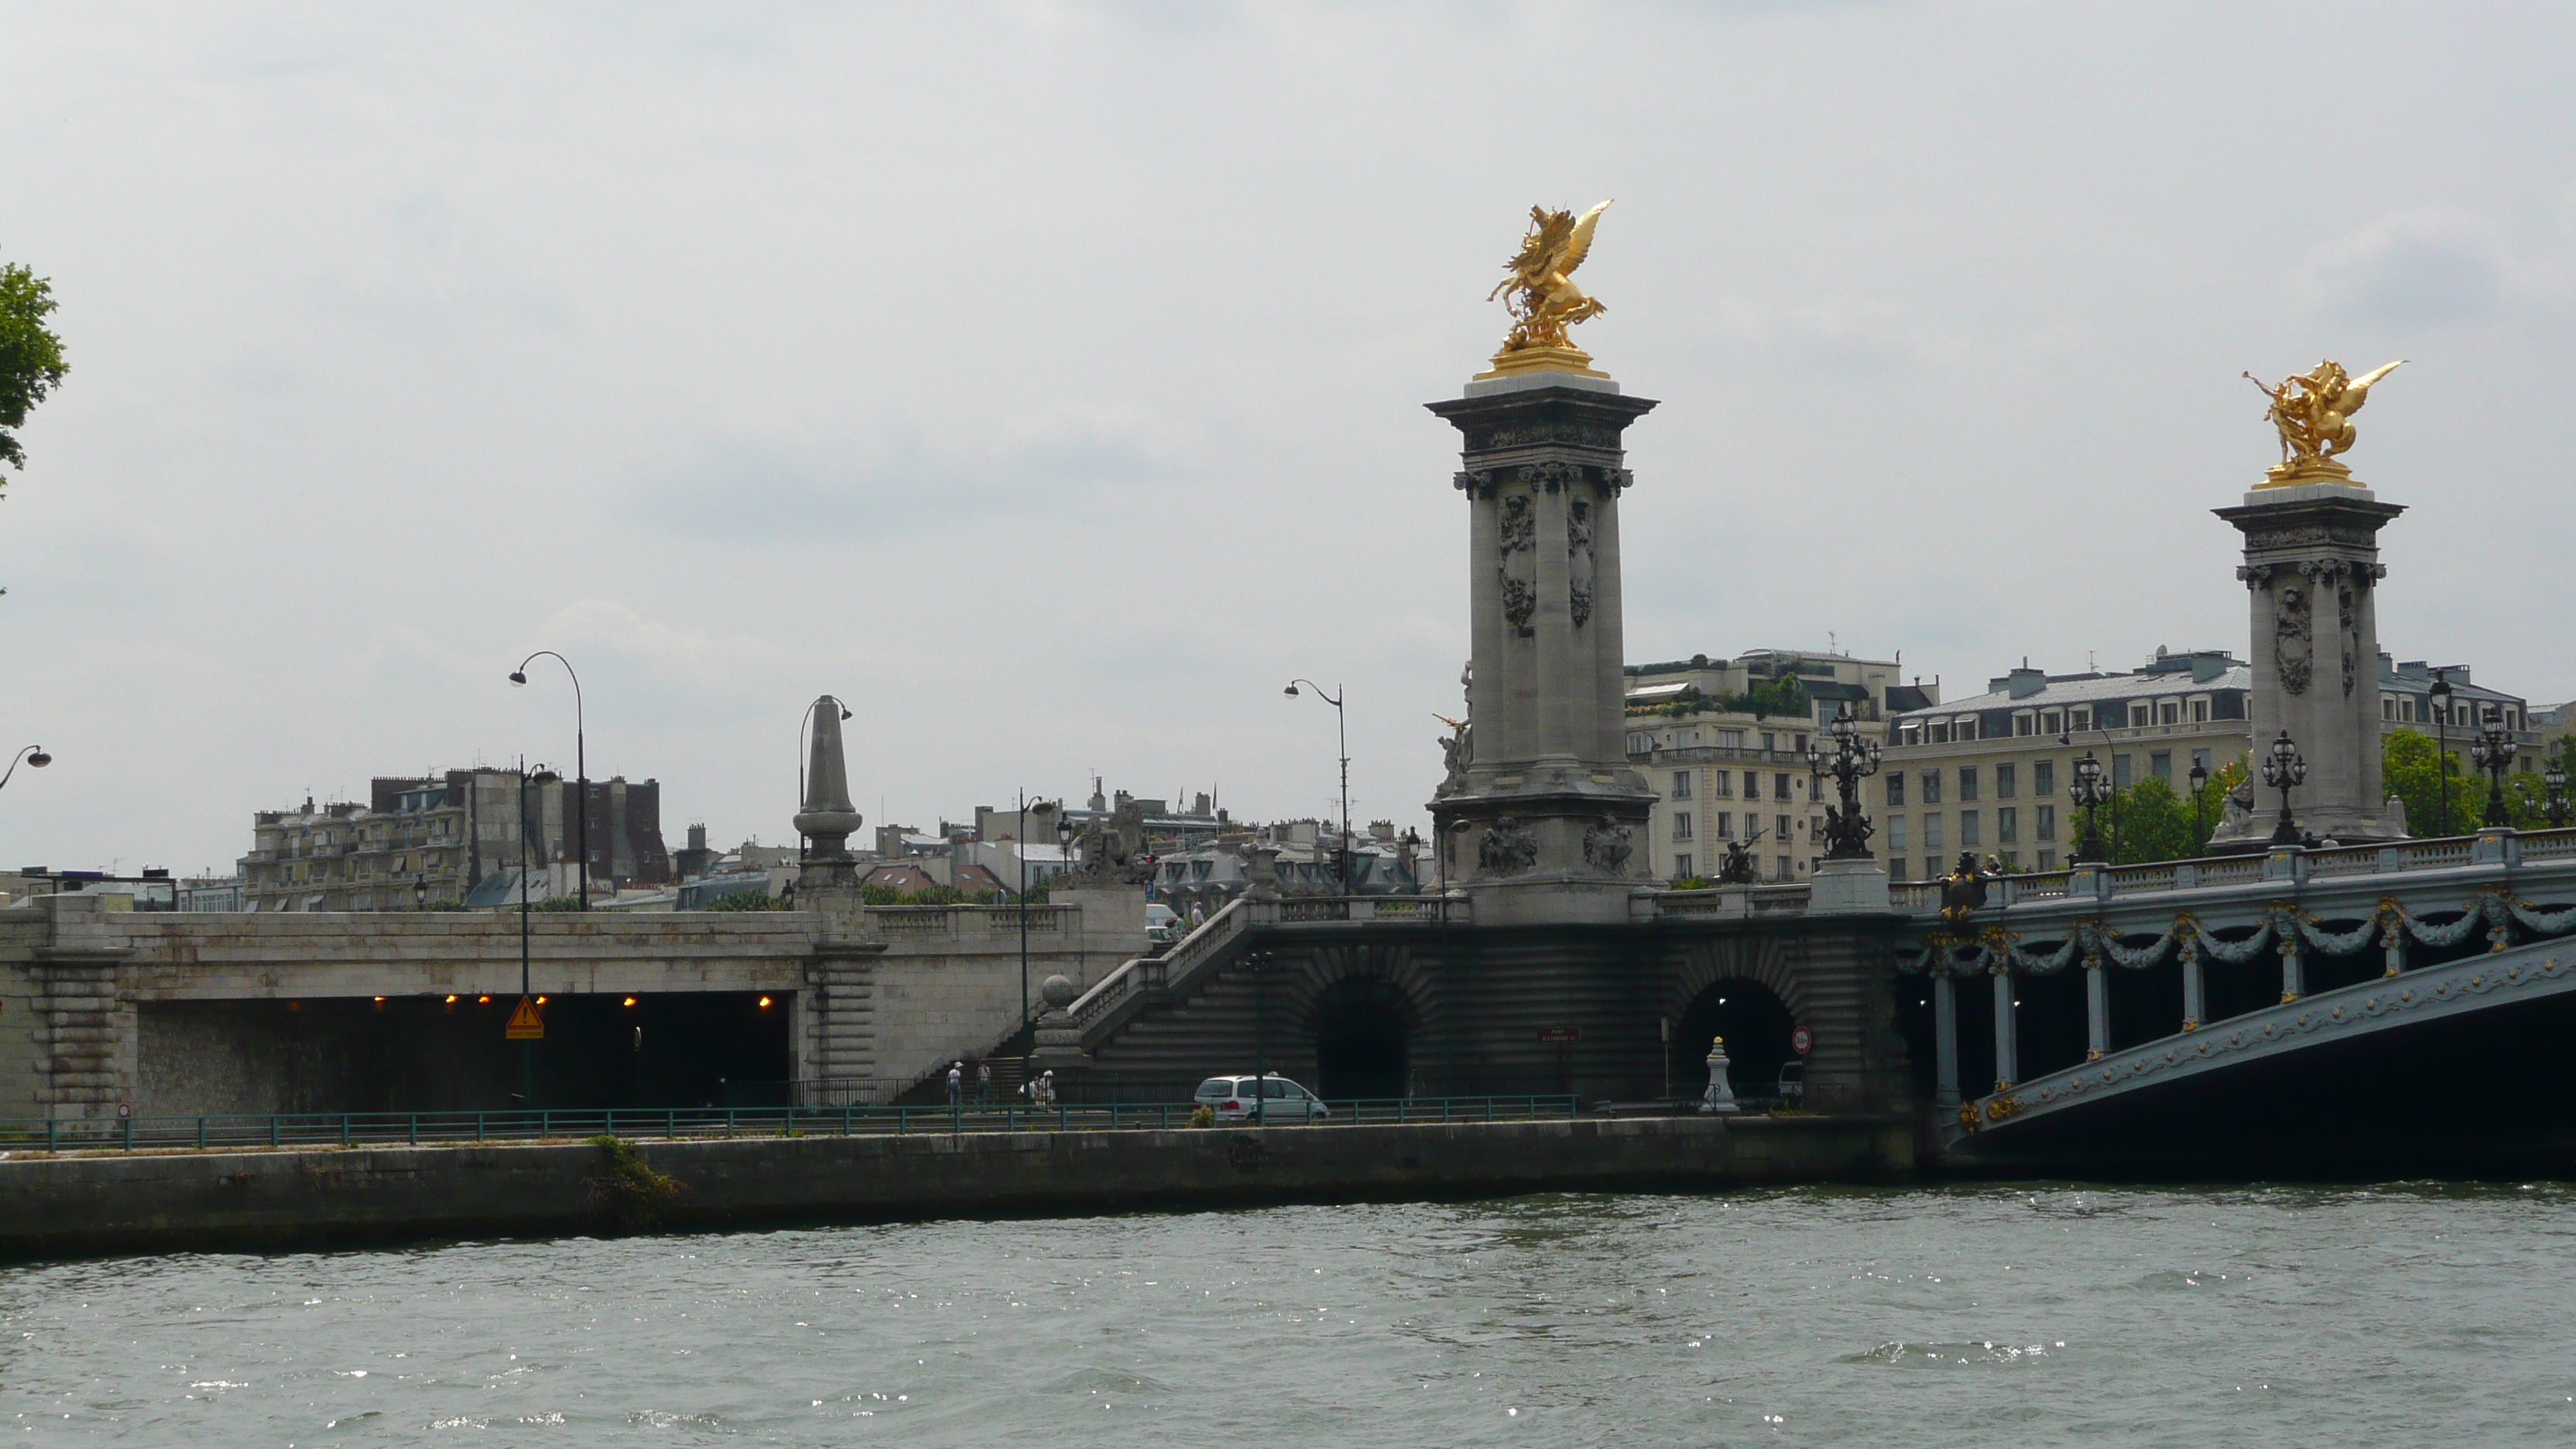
point(525, 1024)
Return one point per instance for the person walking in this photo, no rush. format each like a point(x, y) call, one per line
point(1198, 917)
point(956, 1083)
point(983, 1081)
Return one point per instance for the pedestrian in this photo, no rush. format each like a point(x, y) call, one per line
point(1046, 1089)
point(1198, 917)
point(983, 1081)
point(956, 1081)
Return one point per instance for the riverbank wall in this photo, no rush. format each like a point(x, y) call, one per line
point(185, 1201)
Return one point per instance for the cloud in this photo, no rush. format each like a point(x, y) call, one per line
point(2418, 267)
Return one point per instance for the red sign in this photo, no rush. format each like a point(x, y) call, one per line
point(1560, 1033)
point(1801, 1042)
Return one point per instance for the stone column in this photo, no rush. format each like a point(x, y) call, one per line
point(1945, 1038)
point(2195, 994)
point(2007, 1045)
point(2312, 575)
point(1555, 821)
point(2097, 1011)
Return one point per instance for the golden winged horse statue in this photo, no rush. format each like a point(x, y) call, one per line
point(2313, 413)
point(1540, 292)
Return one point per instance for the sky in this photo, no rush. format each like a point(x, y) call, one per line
point(1046, 379)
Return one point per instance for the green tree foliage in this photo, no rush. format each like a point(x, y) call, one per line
point(2156, 822)
point(751, 900)
point(31, 356)
point(2410, 768)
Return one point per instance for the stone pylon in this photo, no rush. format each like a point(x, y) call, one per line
point(827, 819)
point(2312, 575)
point(1542, 816)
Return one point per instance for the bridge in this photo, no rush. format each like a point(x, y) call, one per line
point(2302, 1009)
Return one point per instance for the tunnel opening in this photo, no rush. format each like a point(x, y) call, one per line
point(1756, 1025)
point(1363, 1038)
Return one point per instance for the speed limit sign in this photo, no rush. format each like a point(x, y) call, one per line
point(1801, 1042)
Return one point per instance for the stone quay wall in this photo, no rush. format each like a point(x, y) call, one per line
point(200, 1200)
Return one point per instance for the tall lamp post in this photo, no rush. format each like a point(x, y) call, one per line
point(1258, 963)
point(2199, 778)
point(2284, 768)
point(1045, 809)
point(580, 764)
point(2087, 791)
point(1341, 723)
point(2493, 751)
point(805, 722)
point(2554, 775)
point(35, 757)
point(542, 779)
point(2442, 736)
point(1851, 760)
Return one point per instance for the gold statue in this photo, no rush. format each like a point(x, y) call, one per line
point(2313, 411)
point(1542, 298)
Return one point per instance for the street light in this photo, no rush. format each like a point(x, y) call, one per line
point(2088, 790)
point(1020, 848)
point(1851, 760)
point(2283, 769)
point(804, 722)
point(542, 779)
point(2199, 778)
point(2442, 736)
point(2493, 751)
point(2554, 775)
point(1341, 723)
point(35, 757)
point(1258, 963)
point(580, 763)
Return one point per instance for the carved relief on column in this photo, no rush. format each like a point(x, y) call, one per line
point(1578, 560)
point(2293, 639)
point(1518, 564)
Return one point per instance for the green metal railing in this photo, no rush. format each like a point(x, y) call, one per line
point(352, 1129)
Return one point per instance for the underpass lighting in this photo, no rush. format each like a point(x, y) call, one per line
point(482, 1001)
point(630, 1001)
point(764, 1003)
point(451, 999)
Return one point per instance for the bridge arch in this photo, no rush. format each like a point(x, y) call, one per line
point(1755, 1024)
point(1362, 1013)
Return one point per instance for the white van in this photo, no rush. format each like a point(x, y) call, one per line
point(1163, 924)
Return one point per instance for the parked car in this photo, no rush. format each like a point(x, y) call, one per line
point(1232, 1100)
point(1163, 925)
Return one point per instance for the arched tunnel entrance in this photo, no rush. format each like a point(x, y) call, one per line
point(1756, 1025)
point(1363, 1032)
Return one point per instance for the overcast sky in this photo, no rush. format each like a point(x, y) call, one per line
point(1046, 379)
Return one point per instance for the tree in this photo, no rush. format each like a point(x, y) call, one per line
point(2155, 824)
point(31, 356)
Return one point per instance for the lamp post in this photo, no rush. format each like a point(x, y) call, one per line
point(2493, 751)
point(420, 892)
point(804, 722)
point(580, 764)
point(1020, 848)
point(1341, 723)
point(2554, 775)
point(2199, 778)
point(527, 1049)
point(2442, 735)
point(1259, 963)
point(1851, 760)
point(2087, 791)
point(35, 757)
point(2283, 769)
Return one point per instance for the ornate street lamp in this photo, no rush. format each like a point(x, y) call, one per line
point(35, 757)
point(2283, 769)
point(2554, 775)
point(2199, 778)
point(2493, 751)
point(1341, 722)
point(2442, 743)
point(2089, 790)
point(1851, 760)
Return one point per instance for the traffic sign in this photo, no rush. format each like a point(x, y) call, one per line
point(1560, 1033)
point(1801, 1042)
point(525, 1024)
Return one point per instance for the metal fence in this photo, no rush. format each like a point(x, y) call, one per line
point(356, 1129)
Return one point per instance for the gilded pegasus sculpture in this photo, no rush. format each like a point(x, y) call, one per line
point(1540, 293)
point(2313, 412)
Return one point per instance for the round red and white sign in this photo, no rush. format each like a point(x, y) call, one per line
point(1801, 1042)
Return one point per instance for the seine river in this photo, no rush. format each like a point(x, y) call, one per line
point(1986, 1316)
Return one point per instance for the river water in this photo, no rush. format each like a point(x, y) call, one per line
point(1976, 1315)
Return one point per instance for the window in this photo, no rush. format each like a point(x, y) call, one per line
point(1780, 827)
point(2123, 771)
point(1896, 789)
point(2200, 711)
point(1968, 828)
point(1931, 832)
point(1766, 739)
point(2169, 711)
point(1937, 732)
point(2007, 825)
point(1780, 787)
point(1731, 739)
point(2138, 714)
point(1681, 867)
point(1967, 782)
point(1931, 787)
point(1726, 825)
point(2160, 765)
point(2043, 777)
point(1896, 832)
point(1722, 784)
point(2046, 822)
point(1798, 743)
point(1681, 784)
point(2023, 724)
point(1682, 825)
point(2387, 707)
point(1640, 744)
point(1784, 873)
point(2048, 723)
point(2007, 780)
point(2048, 860)
point(2080, 719)
point(1752, 785)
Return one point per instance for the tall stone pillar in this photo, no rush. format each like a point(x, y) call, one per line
point(1545, 821)
point(2312, 575)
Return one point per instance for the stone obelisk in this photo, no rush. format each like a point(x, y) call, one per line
point(1541, 816)
point(827, 819)
point(2311, 574)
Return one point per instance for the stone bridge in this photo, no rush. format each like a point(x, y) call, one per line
point(2305, 1009)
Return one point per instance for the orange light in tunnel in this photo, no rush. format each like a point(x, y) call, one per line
point(451, 999)
point(541, 1001)
point(483, 1001)
point(380, 998)
point(764, 1003)
point(630, 1001)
